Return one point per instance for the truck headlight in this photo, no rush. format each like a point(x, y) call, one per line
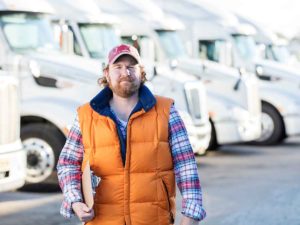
point(259, 70)
point(34, 68)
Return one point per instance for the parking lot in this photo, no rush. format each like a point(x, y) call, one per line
point(242, 185)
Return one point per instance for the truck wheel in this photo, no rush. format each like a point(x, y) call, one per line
point(43, 143)
point(273, 130)
point(213, 143)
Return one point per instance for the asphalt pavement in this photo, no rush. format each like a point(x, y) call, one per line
point(242, 185)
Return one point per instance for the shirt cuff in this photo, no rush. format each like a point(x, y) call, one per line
point(193, 210)
point(66, 206)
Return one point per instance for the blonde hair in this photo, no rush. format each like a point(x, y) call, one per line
point(102, 81)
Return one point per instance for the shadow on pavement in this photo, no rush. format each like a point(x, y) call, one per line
point(291, 144)
point(46, 213)
point(235, 150)
point(40, 188)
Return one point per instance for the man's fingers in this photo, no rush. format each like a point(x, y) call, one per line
point(87, 214)
point(83, 212)
point(85, 217)
point(86, 209)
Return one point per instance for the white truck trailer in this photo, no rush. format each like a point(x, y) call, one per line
point(12, 154)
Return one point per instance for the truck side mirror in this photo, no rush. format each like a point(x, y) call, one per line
point(67, 40)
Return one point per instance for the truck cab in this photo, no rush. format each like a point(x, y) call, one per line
point(81, 29)
point(269, 45)
point(224, 40)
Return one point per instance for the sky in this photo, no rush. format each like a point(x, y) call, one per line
point(282, 16)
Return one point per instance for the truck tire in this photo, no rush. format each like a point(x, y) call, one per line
point(43, 143)
point(213, 143)
point(273, 130)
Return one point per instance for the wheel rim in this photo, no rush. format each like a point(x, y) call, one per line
point(40, 159)
point(268, 126)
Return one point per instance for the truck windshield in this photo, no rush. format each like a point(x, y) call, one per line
point(246, 47)
point(279, 53)
point(171, 44)
point(27, 32)
point(99, 38)
point(211, 49)
point(143, 44)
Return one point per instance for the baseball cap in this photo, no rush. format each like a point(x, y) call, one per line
point(123, 49)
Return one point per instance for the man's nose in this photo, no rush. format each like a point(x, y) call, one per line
point(125, 72)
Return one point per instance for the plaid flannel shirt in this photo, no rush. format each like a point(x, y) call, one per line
point(185, 167)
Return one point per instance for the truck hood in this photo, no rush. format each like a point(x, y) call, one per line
point(66, 66)
point(279, 70)
point(198, 67)
point(178, 75)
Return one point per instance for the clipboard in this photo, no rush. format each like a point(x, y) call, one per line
point(87, 189)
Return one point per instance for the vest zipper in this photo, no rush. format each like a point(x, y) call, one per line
point(169, 203)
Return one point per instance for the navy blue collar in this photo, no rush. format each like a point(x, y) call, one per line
point(100, 102)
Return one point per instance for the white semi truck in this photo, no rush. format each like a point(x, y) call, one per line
point(82, 29)
point(217, 35)
point(91, 34)
point(269, 45)
point(233, 100)
point(12, 154)
point(52, 85)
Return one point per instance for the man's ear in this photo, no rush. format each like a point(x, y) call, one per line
point(105, 72)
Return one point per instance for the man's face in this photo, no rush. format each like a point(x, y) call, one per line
point(124, 76)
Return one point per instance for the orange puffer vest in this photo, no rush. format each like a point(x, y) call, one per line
point(143, 191)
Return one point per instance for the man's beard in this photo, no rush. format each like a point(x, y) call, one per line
point(125, 91)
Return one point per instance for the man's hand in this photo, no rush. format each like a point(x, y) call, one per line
point(83, 212)
point(188, 221)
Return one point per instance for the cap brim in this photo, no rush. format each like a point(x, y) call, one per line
point(120, 54)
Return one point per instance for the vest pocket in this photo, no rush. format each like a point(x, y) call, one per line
point(166, 192)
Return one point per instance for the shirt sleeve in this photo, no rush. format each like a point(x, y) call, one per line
point(185, 168)
point(69, 170)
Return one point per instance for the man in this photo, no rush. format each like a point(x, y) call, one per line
point(136, 143)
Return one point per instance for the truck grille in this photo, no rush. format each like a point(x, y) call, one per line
point(194, 105)
point(9, 111)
